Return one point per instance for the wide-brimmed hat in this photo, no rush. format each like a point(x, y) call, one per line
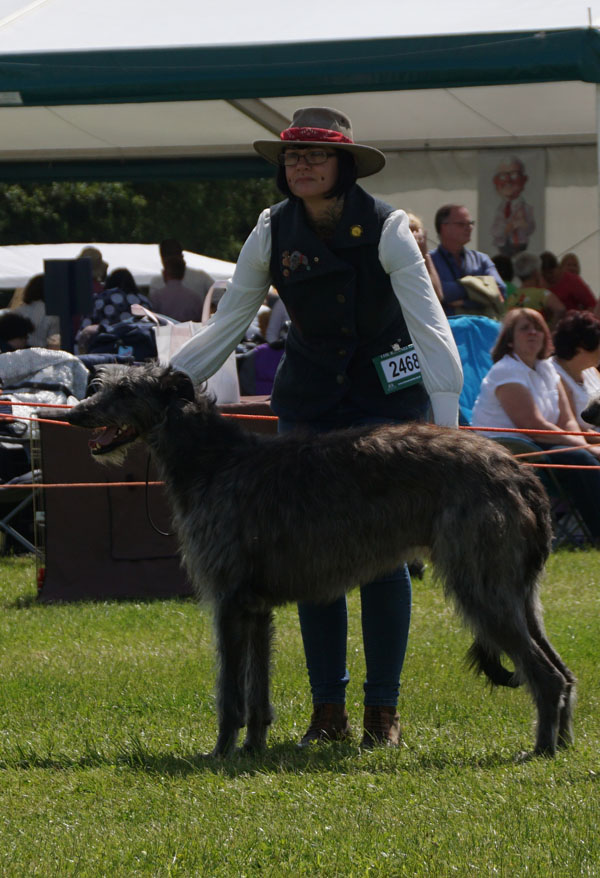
point(322, 126)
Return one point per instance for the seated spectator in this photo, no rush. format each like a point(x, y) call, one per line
point(99, 267)
point(532, 293)
point(504, 267)
point(14, 331)
point(46, 332)
point(576, 359)
point(194, 278)
point(417, 227)
point(111, 305)
point(571, 291)
point(523, 390)
point(174, 299)
point(570, 262)
point(453, 261)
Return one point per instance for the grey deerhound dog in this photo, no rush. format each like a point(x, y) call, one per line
point(264, 520)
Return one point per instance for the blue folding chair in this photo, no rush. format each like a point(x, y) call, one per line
point(475, 336)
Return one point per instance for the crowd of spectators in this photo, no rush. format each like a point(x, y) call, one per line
point(547, 355)
point(526, 283)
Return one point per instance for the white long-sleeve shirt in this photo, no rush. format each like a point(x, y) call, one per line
point(401, 259)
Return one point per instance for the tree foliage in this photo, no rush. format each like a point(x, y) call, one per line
point(212, 217)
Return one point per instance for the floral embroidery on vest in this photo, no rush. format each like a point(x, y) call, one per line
point(292, 261)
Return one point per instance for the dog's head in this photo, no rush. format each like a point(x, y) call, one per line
point(127, 402)
point(591, 413)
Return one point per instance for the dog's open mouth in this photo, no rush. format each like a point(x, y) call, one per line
point(108, 438)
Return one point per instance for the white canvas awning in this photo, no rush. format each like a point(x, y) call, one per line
point(110, 90)
point(20, 262)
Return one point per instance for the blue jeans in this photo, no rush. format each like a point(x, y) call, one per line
point(385, 613)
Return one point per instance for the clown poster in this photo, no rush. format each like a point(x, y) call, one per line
point(511, 201)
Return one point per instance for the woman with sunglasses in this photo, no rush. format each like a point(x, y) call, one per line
point(368, 343)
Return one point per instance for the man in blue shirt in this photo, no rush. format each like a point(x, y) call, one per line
point(454, 225)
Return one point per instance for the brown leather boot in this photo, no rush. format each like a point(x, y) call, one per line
point(329, 722)
point(382, 726)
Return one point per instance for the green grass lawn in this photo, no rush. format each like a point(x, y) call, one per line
point(106, 710)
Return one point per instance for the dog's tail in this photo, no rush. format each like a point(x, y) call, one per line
point(482, 661)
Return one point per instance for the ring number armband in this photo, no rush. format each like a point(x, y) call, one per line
point(398, 369)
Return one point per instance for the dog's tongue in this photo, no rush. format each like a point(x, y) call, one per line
point(103, 436)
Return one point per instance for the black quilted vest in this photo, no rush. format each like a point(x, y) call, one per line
point(343, 312)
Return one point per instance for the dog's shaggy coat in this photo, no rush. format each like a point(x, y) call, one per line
point(264, 520)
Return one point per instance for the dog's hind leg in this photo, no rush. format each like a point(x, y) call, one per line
point(509, 633)
point(259, 712)
point(565, 718)
point(546, 683)
point(231, 627)
point(549, 689)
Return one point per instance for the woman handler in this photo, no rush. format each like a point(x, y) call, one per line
point(368, 343)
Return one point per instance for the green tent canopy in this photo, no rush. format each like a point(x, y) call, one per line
point(189, 111)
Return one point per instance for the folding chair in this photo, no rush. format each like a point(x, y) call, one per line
point(16, 501)
point(16, 504)
point(475, 337)
point(567, 524)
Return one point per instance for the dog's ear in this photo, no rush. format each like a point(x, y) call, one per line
point(180, 385)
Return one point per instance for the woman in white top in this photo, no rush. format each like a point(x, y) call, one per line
point(576, 358)
point(523, 390)
point(368, 343)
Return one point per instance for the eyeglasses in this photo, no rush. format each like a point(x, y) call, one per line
point(509, 177)
point(464, 225)
point(311, 157)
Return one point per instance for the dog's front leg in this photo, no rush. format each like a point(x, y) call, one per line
point(232, 645)
point(259, 712)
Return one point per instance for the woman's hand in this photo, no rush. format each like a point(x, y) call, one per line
point(519, 405)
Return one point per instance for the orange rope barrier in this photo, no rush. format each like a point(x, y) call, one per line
point(36, 420)
point(519, 430)
point(558, 465)
point(274, 418)
point(83, 485)
point(252, 417)
point(548, 451)
point(37, 405)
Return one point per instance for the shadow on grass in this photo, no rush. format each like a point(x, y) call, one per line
point(279, 758)
point(30, 600)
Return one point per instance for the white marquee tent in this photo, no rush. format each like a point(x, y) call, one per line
point(20, 262)
point(132, 89)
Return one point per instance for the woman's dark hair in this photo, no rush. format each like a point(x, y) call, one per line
point(504, 342)
point(346, 177)
point(576, 329)
point(122, 279)
point(504, 267)
point(34, 290)
point(13, 325)
point(549, 261)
